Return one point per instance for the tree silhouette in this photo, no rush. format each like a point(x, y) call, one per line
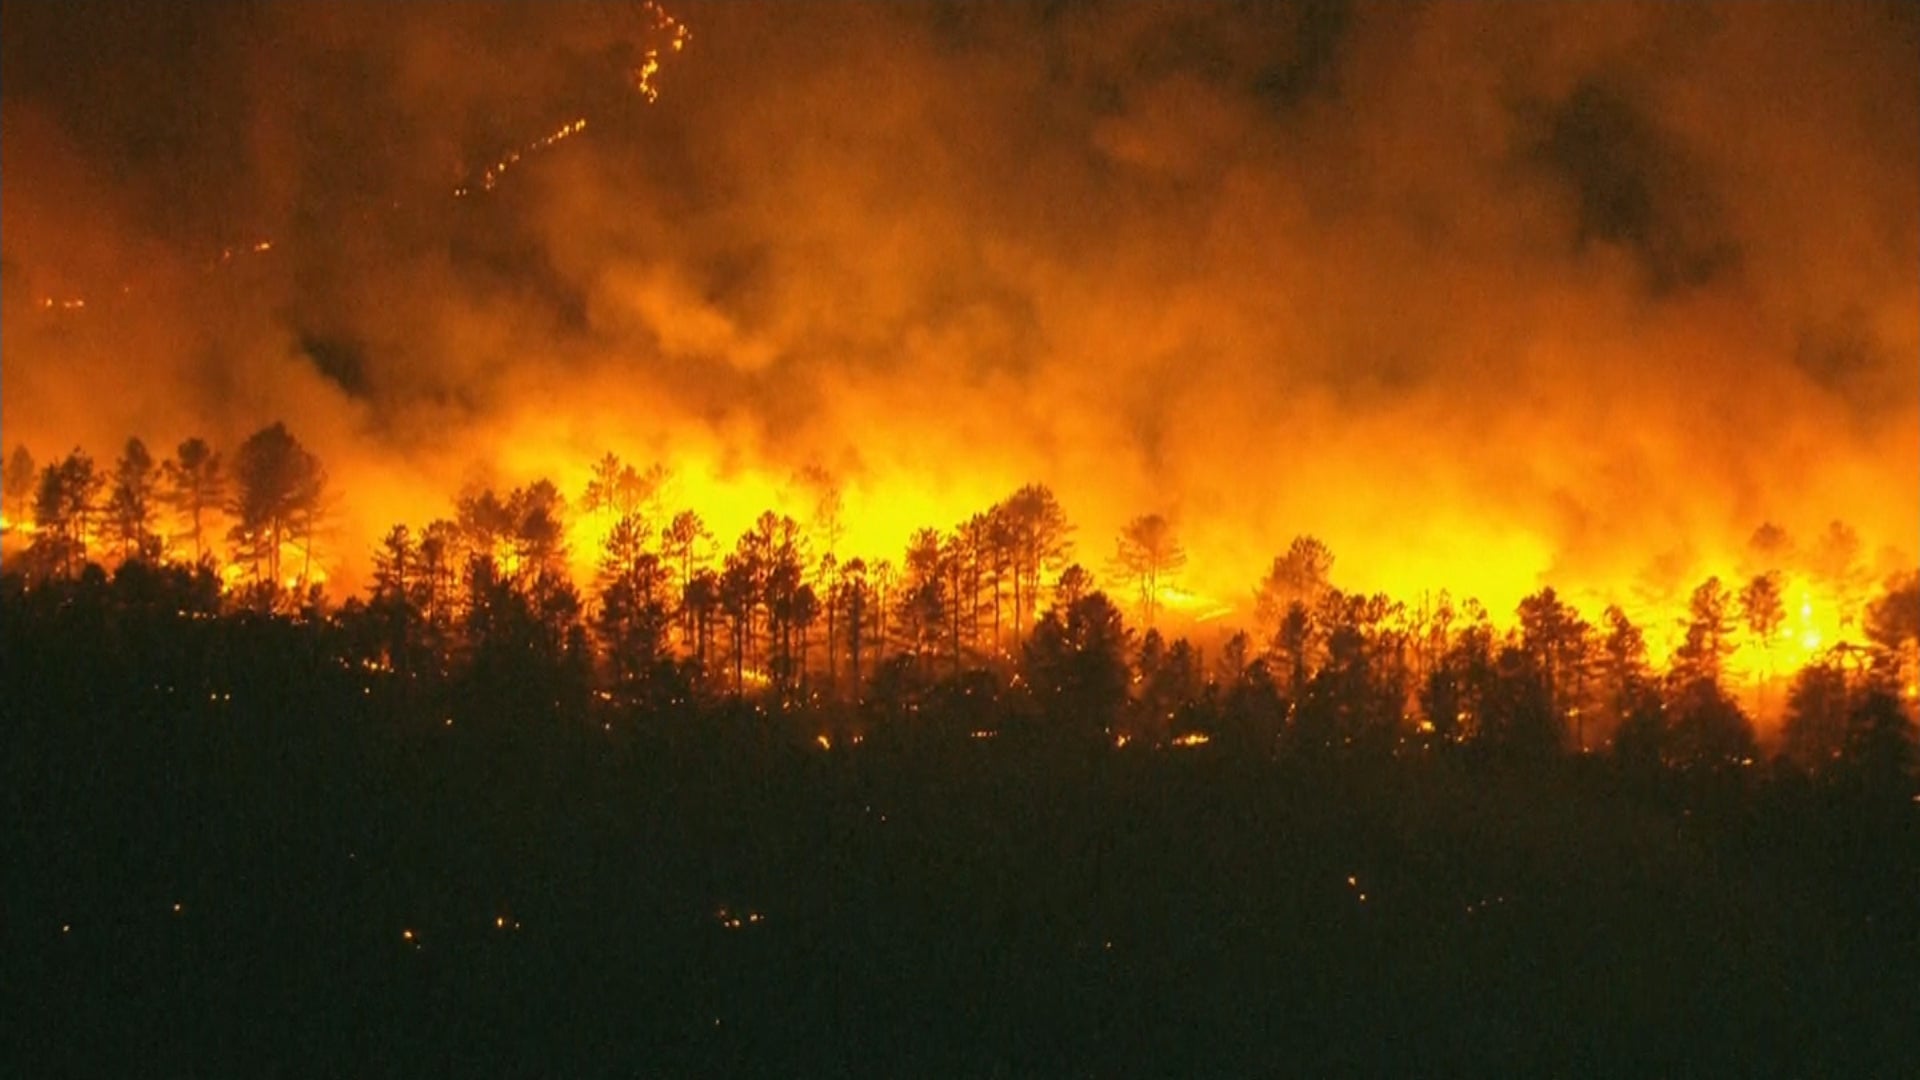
point(1356, 697)
point(1518, 719)
point(851, 597)
point(1764, 613)
point(881, 578)
point(826, 578)
point(618, 490)
point(1640, 736)
point(1706, 728)
point(528, 649)
point(1338, 670)
point(1296, 647)
point(1301, 576)
point(1251, 711)
point(632, 621)
point(395, 564)
point(1430, 634)
point(1165, 680)
point(682, 544)
point(996, 556)
point(921, 599)
point(1455, 690)
point(958, 572)
point(741, 586)
point(1286, 607)
point(1554, 636)
point(439, 571)
point(194, 484)
point(1625, 679)
point(1892, 626)
point(1179, 682)
point(537, 514)
point(700, 601)
point(603, 486)
point(826, 524)
point(63, 506)
point(1709, 635)
point(1815, 732)
point(973, 548)
point(18, 484)
point(786, 597)
point(130, 502)
point(1076, 664)
point(824, 520)
point(396, 610)
point(1038, 538)
point(801, 611)
point(277, 489)
point(1073, 583)
point(1148, 552)
point(485, 527)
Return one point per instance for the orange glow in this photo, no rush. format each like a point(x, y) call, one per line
point(1180, 602)
point(676, 35)
point(890, 268)
point(490, 177)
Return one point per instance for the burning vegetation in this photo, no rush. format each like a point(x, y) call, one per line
point(1312, 538)
point(622, 590)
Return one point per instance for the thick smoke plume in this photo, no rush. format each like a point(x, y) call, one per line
point(1486, 296)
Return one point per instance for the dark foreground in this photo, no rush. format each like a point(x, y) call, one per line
point(363, 890)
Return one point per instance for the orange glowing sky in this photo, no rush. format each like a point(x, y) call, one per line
point(1486, 296)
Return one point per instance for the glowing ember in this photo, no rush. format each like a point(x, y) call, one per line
point(491, 175)
point(666, 35)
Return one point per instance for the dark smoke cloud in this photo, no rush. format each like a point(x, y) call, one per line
point(1479, 293)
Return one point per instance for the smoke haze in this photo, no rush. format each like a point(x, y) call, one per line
point(1486, 296)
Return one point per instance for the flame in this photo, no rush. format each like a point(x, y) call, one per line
point(490, 176)
point(1197, 607)
point(1442, 528)
point(660, 22)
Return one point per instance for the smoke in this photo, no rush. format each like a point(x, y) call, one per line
point(1485, 296)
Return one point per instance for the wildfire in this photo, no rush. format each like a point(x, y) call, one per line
point(299, 571)
point(1193, 605)
point(660, 23)
point(490, 177)
point(1440, 528)
point(660, 26)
